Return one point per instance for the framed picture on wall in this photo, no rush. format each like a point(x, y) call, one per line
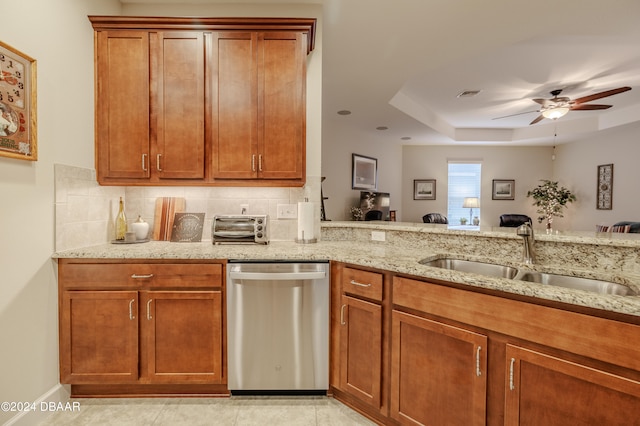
point(503, 189)
point(424, 189)
point(17, 104)
point(605, 187)
point(364, 172)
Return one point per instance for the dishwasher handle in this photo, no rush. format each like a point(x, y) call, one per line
point(277, 275)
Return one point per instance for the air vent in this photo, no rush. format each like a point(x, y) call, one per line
point(468, 94)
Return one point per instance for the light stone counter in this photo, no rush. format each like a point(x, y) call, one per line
point(404, 248)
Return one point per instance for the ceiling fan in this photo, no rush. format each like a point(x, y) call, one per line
point(558, 106)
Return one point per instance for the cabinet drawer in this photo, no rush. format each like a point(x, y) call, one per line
point(147, 275)
point(362, 283)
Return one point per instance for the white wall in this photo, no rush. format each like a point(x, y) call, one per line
point(526, 165)
point(59, 36)
point(336, 167)
point(576, 167)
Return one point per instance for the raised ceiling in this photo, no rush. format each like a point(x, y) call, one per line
point(401, 64)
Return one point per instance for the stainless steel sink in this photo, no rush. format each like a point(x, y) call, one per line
point(577, 283)
point(472, 266)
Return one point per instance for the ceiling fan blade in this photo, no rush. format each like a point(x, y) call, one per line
point(601, 95)
point(586, 107)
point(513, 115)
point(541, 101)
point(539, 118)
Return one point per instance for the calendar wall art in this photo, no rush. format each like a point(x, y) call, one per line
point(17, 104)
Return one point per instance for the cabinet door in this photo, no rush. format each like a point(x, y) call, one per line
point(182, 336)
point(122, 105)
point(281, 105)
point(361, 349)
point(99, 337)
point(179, 68)
point(438, 373)
point(545, 390)
point(234, 105)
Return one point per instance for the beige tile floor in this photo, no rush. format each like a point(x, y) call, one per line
point(236, 411)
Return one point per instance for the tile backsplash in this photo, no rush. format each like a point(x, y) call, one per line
point(86, 211)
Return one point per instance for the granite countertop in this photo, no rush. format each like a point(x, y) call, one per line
point(372, 254)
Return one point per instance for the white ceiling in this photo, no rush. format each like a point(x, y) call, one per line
point(402, 63)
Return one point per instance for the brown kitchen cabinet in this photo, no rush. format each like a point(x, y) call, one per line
point(541, 365)
point(139, 323)
point(99, 337)
point(258, 121)
point(149, 106)
point(201, 101)
point(361, 358)
point(548, 390)
point(438, 373)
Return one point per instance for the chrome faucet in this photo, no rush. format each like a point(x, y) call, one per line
point(528, 253)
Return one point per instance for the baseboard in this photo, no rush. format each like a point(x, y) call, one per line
point(43, 407)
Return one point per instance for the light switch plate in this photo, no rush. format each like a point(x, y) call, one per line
point(287, 211)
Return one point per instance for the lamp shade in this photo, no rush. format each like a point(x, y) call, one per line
point(555, 112)
point(471, 202)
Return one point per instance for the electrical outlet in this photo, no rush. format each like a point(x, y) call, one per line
point(287, 211)
point(378, 236)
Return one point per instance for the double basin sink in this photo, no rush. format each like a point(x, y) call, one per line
point(557, 280)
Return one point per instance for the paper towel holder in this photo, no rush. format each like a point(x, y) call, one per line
point(300, 237)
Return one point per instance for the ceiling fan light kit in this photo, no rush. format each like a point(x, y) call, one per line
point(555, 112)
point(557, 107)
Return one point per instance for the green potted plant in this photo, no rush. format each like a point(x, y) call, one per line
point(550, 199)
point(463, 221)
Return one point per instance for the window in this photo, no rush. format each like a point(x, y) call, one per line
point(464, 182)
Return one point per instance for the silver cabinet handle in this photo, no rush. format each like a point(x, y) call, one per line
point(511, 384)
point(149, 317)
point(131, 316)
point(354, 282)
point(144, 162)
point(253, 163)
point(478, 371)
point(260, 162)
point(158, 162)
point(342, 314)
point(141, 277)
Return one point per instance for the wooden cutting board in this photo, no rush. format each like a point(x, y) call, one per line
point(166, 209)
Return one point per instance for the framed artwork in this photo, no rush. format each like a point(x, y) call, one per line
point(605, 187)
point(503, 189)
point(364, 172)
point(424, 189)
point(17, 104)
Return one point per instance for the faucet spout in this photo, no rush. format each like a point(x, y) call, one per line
point(528, 253)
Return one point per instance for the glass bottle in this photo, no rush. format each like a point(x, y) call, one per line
point(121, 222)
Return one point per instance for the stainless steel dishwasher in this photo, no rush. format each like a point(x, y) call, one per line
point(278, 327)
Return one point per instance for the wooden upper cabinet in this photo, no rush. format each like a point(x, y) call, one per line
point(122, 105)
point(234, 109)
point(258, 115)
point(201, 101)
point(281, 106)
point(178, 59)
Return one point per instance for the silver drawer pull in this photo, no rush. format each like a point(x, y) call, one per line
point(354, 282)
point(149, 317)
point(512, 385)
point(342, 314)
point(141, 277)
point(131, 316)
point(478, 371)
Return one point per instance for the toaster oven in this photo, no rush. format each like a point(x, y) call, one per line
point(240, 229)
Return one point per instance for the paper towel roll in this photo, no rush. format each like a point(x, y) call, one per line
point(306, 233)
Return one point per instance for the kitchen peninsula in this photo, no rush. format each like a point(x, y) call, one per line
point(522, 340)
